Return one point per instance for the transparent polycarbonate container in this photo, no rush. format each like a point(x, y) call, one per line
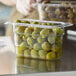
point(49, 1)
point(64, 11)
point(39, 39)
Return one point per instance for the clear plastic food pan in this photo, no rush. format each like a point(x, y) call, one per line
point(38, 39)
point(49, 1)
point(64, 11)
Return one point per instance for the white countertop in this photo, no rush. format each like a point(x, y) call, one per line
point(72, 73)
point(69, 73)
point(7, 56)
point(7, 61)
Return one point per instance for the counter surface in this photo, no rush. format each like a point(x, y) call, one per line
point(11, 65)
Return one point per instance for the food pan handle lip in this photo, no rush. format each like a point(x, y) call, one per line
point(45, 21)
point(62, 24)
point(65, 24)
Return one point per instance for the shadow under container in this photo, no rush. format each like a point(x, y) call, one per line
point(39, 39)
point(64, 11)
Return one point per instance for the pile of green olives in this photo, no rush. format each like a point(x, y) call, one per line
point(63, 12)
point(40, 43)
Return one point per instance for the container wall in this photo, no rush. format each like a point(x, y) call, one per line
point(58, 11)
point(38, 42)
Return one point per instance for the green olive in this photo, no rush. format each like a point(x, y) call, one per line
point(26, 22)
point(51, 55)
point(44, 15)
point(30, 41)
point(58, 40)
point(26, 53)
point(71, 15)
point(44, 32)
point(19, 51)
point(56, 48)
point(34, 54)
point(48, 9)
point(40, 39)
point(37, 46)
point(57, 12)
point(23, 45)
point(24, 38)
point(46, 46)
point(35, 22)
point(51, 38)
point(18, 21)
point(35, 35)
point(36, 29)
point(42, 54)
point(43, 23)
point(28, 31)
point(58, 31)
point(20, 29)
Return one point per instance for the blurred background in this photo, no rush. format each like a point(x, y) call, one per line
point(11, 10)
point(4, 16)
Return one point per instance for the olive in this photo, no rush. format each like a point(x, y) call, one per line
point(18, 21)
point(48, 9)
point(71, 15)
point(57, 11)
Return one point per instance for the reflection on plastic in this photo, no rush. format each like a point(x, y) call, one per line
point(25, 65)
point(71, 35)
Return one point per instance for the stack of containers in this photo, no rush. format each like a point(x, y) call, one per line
point(57, 10)
point(39, 39)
